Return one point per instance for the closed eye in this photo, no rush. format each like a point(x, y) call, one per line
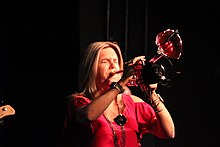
point(104, 61)
point(115, 60)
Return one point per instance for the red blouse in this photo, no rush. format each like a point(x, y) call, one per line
point(140, 117)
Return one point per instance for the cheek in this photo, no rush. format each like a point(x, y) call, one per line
point(101, 72)
point(118, 68)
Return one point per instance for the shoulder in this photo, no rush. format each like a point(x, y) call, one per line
point(136, 98)
point(78, 100)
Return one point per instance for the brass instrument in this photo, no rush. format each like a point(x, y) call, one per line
point(169, 45)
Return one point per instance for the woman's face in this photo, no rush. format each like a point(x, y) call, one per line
point(107, 64)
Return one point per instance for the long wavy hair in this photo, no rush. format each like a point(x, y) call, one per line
point(89, 65)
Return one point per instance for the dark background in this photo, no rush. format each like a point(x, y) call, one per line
point(40, 47)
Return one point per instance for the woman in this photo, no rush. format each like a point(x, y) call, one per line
point(102, 114)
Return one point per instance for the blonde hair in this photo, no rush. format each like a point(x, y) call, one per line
point(89, 64)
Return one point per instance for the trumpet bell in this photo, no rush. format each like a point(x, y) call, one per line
point(169, 43)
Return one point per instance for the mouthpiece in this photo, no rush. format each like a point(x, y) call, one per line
point(116, 72)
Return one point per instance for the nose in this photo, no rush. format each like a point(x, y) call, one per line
point(113, 65)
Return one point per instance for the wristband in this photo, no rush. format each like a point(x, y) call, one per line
point(117, 86)
point(161, 99)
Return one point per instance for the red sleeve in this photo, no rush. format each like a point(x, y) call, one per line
point(71, 127)
point(80, 101)
point(146, 117)
point(74, 102)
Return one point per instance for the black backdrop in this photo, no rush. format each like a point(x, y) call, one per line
point(39, 50)
point(40, 44)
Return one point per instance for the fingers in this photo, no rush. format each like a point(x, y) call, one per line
point(129, 63)
point(130, 68)
point(133, 61)
point(153, 87)
point(139, 58)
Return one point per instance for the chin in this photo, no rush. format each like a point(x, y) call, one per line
point(113, 81)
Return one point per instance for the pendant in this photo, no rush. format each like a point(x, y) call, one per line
point(120, 120)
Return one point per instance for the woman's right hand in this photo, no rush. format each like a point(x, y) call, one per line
point(129, 68)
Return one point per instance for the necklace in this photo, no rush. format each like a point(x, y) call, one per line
point(121, 121)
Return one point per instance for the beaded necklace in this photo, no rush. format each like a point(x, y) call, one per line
point(121, 121)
